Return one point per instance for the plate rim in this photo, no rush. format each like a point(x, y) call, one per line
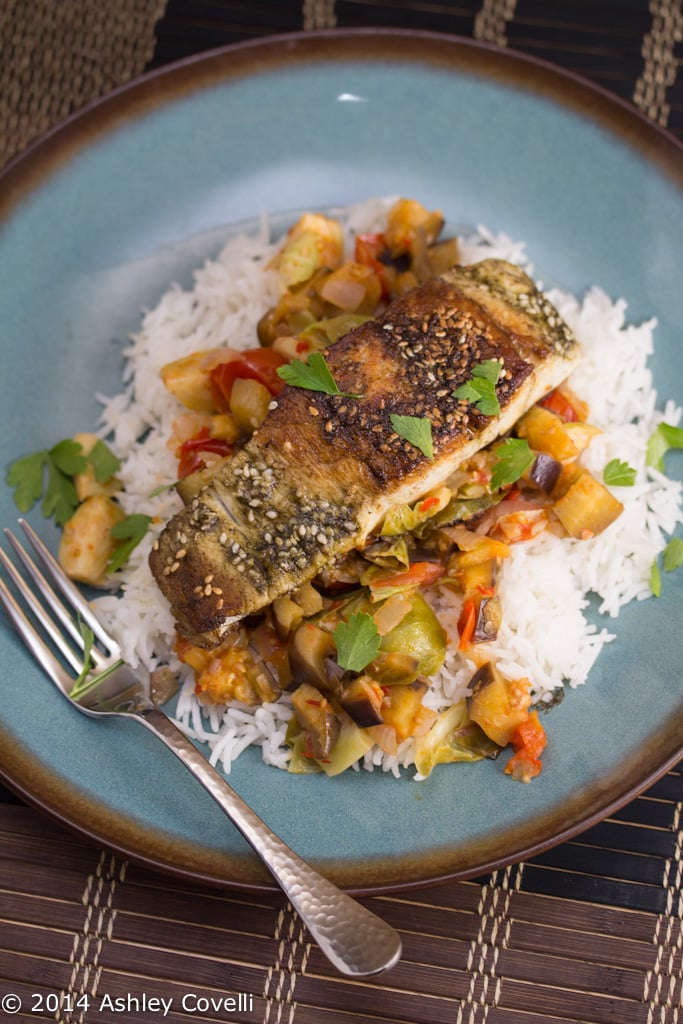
point(154, 90)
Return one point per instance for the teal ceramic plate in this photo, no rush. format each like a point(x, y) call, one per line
point(100, 216)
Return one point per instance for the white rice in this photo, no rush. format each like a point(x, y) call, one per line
point(545, 585)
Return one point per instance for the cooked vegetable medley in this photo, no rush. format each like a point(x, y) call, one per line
point(355, 648)
point(357, 645)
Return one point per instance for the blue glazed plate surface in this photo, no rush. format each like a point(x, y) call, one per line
point(97, 220)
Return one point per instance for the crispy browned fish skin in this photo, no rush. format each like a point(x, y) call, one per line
point(322, 470)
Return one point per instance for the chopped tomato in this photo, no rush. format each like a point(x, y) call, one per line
point(368, 251)
point(560, 405)
point(419, 574)
point(189, 453)
point(466, 624)
point(529, 741)
point(259, 364)
point(428, 503)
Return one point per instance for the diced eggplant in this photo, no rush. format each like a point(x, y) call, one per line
point(188, 380)
point(309, 648)
point(249, 401)
point(497, 704)
point(287, 616)
point(87, 543)
point(489, 618)
point(587, 508)
point(352, 743)
point(443, 255)
point(308, 598)
point(316, 716)
point(547, 433)
point(545, 472)
point(189, 486)
point(163, 684)
point(402, 706)
point(362, 700)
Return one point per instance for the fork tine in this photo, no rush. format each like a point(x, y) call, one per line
point(34, 605)
point(43, 587)
point(70, 592)
point(36, 645)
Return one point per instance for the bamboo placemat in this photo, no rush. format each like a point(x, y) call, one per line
point(589, 932)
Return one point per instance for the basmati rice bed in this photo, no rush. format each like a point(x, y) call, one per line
point(545, 585)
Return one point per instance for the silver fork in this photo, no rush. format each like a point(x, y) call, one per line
point(356, 941)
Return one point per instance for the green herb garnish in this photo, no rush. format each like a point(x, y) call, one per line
point(480, 391)
point(415, 429)
point(357, 642)
point(103, 461)
point(619, 474)
point(48, 474)
point(673, 554)
point(130, 530)
point(80, 686)
point(313, 375)
point(655, 580)
point(664, 438)
point(514, 456)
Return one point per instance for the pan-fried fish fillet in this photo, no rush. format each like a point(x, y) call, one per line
point(322, 471)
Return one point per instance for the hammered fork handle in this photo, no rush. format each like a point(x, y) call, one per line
point(355, 940)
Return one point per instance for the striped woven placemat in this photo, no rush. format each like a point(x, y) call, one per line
point(591, 932)
point(59, 55)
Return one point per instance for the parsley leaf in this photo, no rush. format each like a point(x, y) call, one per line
point(619, 474)
point(25, 475)
point(415, 429)
point(664, 437)
point(313, 375)
point(655, 579)
point(673, 554)
point(480, 391)
point(130, 530)
point(357, 642)
point(488, 369)
point(514, 456)
point(60, 500)
point(103, 461)
point(48, 474)
point(68, 457)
